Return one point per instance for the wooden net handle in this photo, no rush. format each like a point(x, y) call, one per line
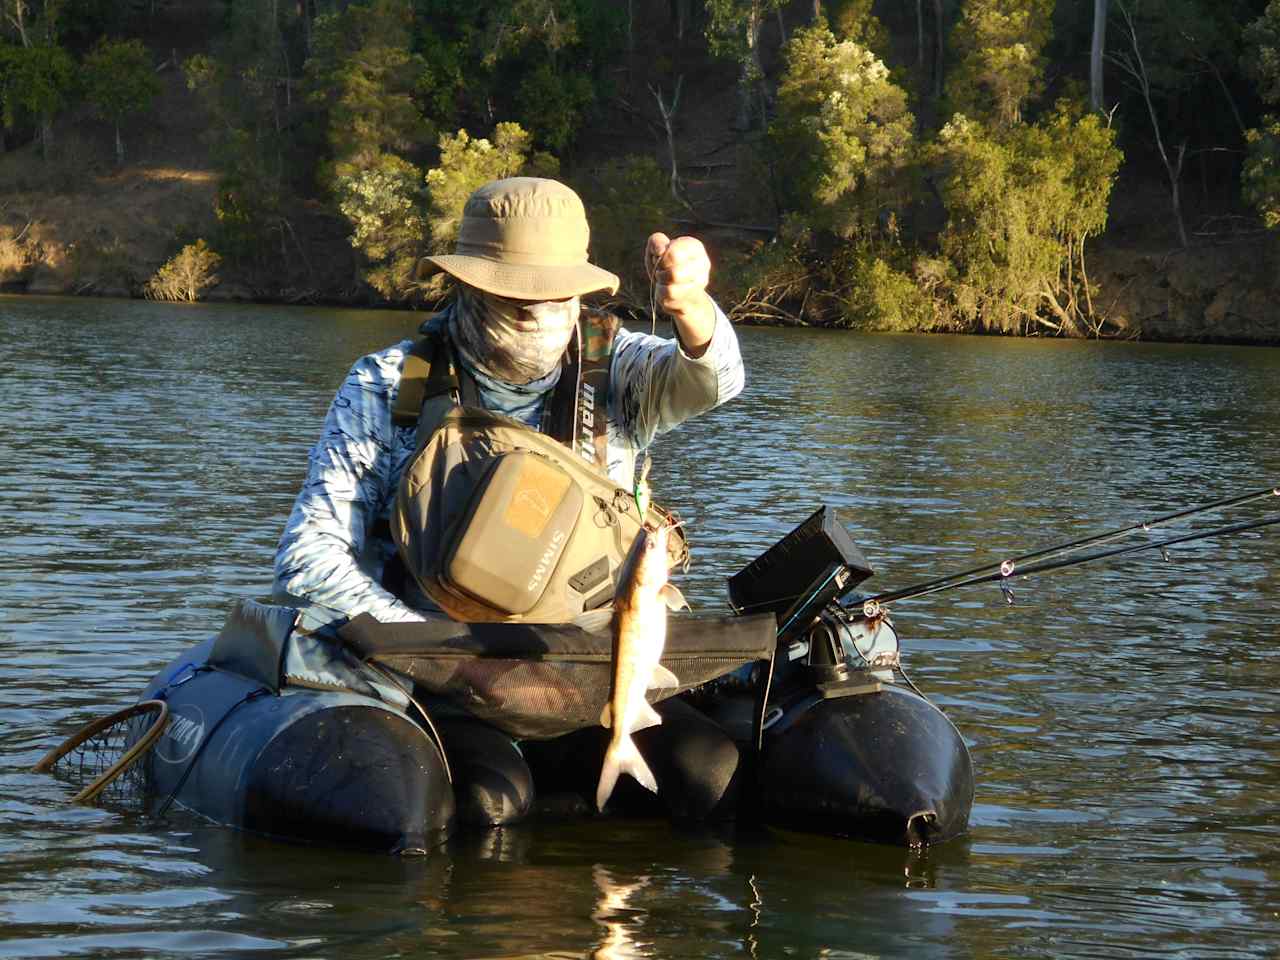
point(90, 730)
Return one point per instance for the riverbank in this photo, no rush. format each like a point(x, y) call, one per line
point(107, 236)
point(77, 224)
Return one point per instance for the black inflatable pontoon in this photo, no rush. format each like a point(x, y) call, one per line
point(313, 737)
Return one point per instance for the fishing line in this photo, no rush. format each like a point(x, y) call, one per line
point(651, 268)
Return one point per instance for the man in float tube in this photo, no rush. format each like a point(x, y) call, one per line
point(521, 267)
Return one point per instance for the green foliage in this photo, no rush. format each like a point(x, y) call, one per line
point(553, 104)
point(733, 25)
point(1019, 211)
point(853, 20)
point(467, 163)
point(998, 45)
point(41, 79)
point(517, 24)
point(627, 198)
point(186, 276)
point(876, 295)
point(1262, 53)
point(1261, 175)
point(553, 54)
point(1262, 171)
point(247, 204)
point(842, 137)
point(119, 81)
point(363, 77)
point(448, 39)
point(383, 203)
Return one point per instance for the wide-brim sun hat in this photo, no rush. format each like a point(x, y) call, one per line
point(524, 238)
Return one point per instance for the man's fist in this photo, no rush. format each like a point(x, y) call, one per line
point(680, 270)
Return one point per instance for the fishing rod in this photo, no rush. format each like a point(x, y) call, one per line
point(873, 605)
point(1004, 569)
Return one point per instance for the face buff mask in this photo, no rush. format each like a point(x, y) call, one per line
point(513, 342)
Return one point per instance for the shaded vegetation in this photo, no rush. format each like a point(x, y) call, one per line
point(940, 165)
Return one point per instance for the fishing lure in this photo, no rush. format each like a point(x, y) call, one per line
point(642, 487)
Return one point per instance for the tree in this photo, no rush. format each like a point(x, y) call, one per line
point(1097, 48)
point(733, 31)
point(999, 45)
point(467, 163)
point(550, 52)
point(41, 80)
point(1019, 209)
point(119, 82)
point(1134, 65)
point(843, 135)
point(1261, 175)
point(363, 76)
point(627, 198)
point(186, 275)
point(384, 205)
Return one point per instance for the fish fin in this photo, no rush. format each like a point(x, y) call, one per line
point(594, 620)
point(606, 716)
point(673, 598)
point(646, 717)
point(663, 679)
point(622, 757)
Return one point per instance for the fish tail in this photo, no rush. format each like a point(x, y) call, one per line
point(622, 757)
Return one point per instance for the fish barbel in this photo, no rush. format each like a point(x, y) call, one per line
point(639, 633)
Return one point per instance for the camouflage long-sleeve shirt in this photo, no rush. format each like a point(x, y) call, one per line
point(330, 559)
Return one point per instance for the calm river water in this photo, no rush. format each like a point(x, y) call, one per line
point(1122, 718)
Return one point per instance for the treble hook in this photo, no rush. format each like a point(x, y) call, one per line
point(1007, 591)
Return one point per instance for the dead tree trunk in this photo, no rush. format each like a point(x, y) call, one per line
point(16, 14)
point(1096, 50)
point(920, 35)
point(937, 57)
point(1136, 68)
point(668, 122)
point(750, 74)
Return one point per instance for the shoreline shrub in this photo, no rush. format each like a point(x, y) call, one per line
point(186, 275)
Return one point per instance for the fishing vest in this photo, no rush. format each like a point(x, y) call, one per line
point(498, 522)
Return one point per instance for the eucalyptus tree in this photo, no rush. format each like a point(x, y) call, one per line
point(1020, 208)
point(1097, 49)
point(364, 80)
point(41, 80)
point(1262, 168)
point(999, 49)
point(733, 32)
point(843, 135)
point(1178, 59)
point(120, 82)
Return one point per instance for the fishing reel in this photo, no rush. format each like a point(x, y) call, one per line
point(843, 640)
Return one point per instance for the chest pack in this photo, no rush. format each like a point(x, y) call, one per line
point(498, 522)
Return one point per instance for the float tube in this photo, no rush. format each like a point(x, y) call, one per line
point(324, 738)
point(250, 751)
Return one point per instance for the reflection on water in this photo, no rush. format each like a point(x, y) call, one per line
point(1122, 718)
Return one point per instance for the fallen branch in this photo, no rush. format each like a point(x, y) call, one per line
point(745, 227)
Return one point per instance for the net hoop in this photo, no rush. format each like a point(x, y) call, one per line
point(157, 708)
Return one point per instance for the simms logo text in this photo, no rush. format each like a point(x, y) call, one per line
point(544, 562)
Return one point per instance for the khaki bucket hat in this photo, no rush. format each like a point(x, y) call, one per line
point(526, 238)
